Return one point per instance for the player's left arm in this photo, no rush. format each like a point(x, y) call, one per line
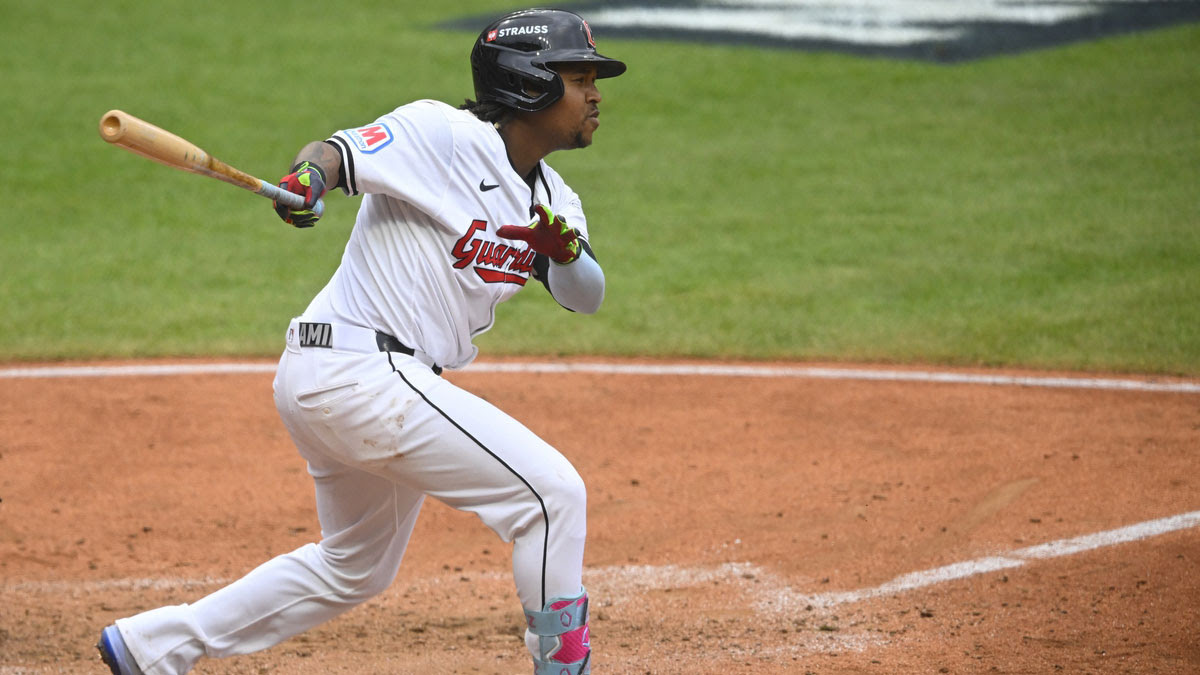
point(579, 285)
point(564, 263)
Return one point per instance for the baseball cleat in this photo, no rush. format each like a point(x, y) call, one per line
point(115, 654)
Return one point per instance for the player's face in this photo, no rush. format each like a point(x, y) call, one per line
point(574, 117)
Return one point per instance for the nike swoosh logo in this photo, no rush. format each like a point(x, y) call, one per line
point(484, 187)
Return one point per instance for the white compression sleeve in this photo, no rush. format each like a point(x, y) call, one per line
point(578, 286)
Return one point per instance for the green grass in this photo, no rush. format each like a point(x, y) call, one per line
point(1037, 210)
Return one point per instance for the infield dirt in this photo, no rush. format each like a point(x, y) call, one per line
point(714, 504)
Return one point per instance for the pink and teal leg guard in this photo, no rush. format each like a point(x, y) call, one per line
point(563, 646)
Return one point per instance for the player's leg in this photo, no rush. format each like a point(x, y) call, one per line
point(472, 456)
point(366, 522)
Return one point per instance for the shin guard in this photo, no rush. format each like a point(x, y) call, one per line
point(563, 643)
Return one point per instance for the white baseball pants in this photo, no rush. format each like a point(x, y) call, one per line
point(379, 432)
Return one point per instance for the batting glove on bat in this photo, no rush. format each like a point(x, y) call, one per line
point(306, 179)
point(547, 234)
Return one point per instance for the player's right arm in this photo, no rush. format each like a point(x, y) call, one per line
point(325, 155)
point(316, 168)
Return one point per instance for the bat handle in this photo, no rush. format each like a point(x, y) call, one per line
point(289, 199)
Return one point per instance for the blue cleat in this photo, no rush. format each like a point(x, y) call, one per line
point(115, 654)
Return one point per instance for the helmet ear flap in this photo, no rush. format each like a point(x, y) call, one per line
point(518, 81)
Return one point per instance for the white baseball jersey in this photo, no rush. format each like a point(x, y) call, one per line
point(424, 262)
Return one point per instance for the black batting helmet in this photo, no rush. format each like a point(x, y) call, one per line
point(512, 61)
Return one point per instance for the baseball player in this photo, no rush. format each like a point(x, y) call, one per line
point(459, 212)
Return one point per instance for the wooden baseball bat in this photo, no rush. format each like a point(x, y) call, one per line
point(140, 137)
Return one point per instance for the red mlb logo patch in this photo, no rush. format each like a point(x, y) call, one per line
point(371, 139)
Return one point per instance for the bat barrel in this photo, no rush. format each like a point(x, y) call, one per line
point(113, 126)
point(142, 138)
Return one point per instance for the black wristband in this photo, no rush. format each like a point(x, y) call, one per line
point(305, 165)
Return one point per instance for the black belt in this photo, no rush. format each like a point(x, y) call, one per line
point(387, 343)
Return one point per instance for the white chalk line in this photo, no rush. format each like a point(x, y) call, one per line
point(787, 600)
point(107, 585)
point(703, 370)
point(775, 596)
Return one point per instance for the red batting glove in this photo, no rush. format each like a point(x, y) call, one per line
point(547, 234)
point(306, 179)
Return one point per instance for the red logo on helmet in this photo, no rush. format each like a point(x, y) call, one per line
point(588, 30)
point(491, 36)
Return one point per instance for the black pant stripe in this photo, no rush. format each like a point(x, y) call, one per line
point(476, 441)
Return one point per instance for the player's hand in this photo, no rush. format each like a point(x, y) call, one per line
point(547, 234)
point(306, 179)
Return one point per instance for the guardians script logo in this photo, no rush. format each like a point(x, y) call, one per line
point(493, 262)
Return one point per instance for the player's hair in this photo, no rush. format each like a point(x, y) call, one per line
point(488, 111)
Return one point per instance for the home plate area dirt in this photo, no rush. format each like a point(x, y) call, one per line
point(753, 521)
